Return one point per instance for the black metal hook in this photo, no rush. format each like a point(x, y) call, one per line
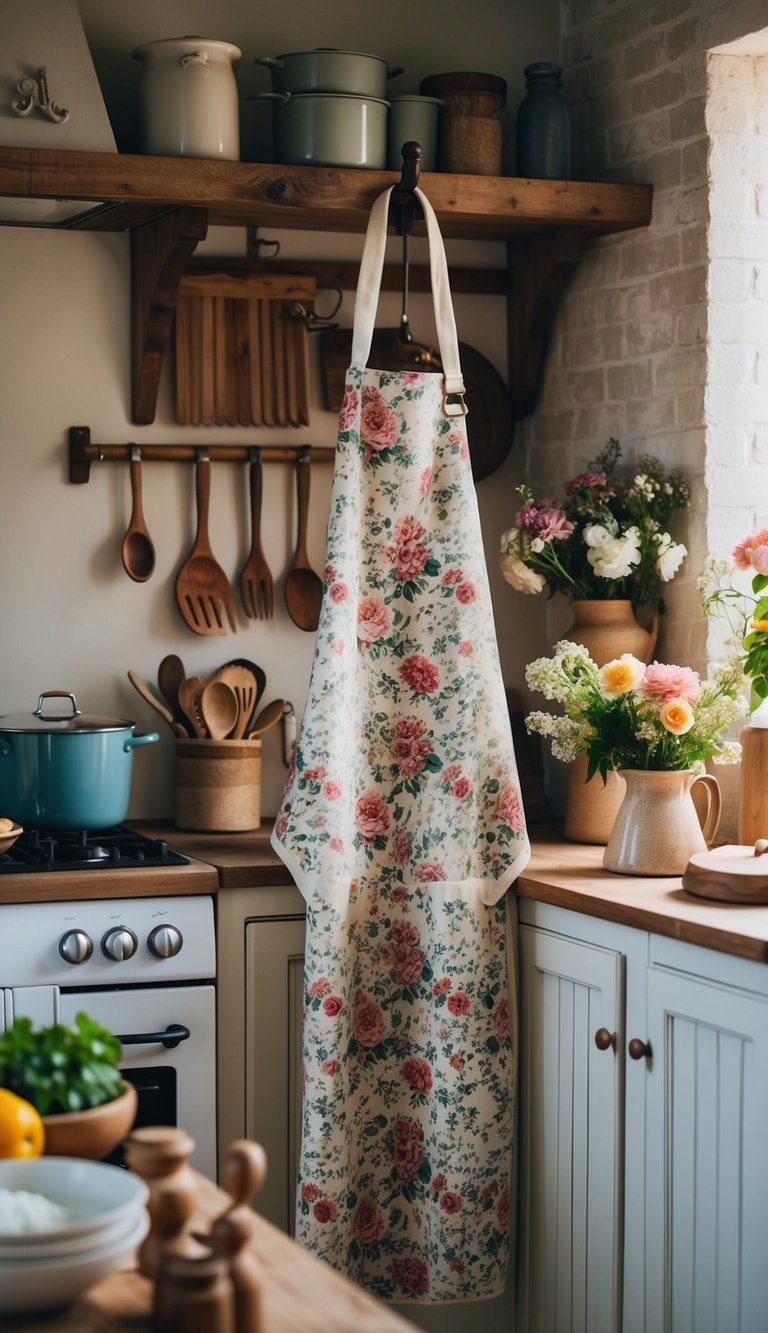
point(404, 207)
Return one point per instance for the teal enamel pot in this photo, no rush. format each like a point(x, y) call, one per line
point(329, 129)
point(327, 70)
point(61, 769)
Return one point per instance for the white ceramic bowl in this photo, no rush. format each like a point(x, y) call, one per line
point(97, 1194)
point(42, 1284)
point(38, 1247)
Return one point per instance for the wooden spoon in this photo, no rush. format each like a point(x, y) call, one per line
point(137, 551)
point(190, 692)
point(257, 671)
point(154, 702)
point(170, 674)
point(220, 709)
point(303, 589)
point(266, 718)
point(243, 683)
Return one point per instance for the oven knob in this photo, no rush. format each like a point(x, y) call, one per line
point(165, 941)
point(119, 943)
point(75, 946)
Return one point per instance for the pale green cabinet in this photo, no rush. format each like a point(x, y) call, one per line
point(644, 1102)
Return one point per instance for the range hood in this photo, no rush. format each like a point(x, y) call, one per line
point(49, 97)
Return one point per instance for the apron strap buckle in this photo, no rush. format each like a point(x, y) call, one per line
point(453, 401)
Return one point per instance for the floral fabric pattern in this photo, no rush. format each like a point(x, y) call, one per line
point(403, 826)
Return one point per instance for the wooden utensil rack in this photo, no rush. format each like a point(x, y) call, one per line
point(82, 453)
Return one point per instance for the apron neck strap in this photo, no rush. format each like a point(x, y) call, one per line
point(369, 287)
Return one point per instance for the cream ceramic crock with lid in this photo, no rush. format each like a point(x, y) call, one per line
point(189, 102)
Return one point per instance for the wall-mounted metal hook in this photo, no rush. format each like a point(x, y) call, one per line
point(255, 244)
point(34, 93)
point(313, 322)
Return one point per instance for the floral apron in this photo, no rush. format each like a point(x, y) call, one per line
point(402, 825)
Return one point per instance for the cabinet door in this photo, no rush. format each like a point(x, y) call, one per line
point(571, 1129)
point(274, 987)
point(706, 1164)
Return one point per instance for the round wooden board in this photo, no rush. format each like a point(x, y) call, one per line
point(729, 874)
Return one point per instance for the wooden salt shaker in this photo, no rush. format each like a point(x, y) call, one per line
point(194, 1295)
point(160, 1155)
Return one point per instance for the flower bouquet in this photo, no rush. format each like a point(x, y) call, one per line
point(607, 539)
point(746, 615)
point(626, 715)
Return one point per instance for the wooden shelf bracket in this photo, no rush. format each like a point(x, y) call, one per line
point(160, 250)
point(538, 269)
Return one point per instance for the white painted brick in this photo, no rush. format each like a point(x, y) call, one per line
point(732, 363)
point(761, 194)
point(745, 322)
point(737, 404)
point(730, 197)
point(760, 76)
point(761, 366)
point(728, 446)
point(728, 485)
point(725, 527)
point(729, 112)
point(730, 73)
point(760, 276)
point(760, 446)
point(730, 280)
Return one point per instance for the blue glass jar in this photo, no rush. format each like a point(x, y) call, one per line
point(543, 134)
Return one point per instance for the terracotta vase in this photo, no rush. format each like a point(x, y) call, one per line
point(606, 629)
point(658, 828)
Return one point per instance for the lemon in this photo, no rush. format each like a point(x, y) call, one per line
point(21, 1128)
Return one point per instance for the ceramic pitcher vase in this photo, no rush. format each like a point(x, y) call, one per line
point(658, 827)
point(606, 629)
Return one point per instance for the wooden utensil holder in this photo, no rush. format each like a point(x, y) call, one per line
point(218, 785)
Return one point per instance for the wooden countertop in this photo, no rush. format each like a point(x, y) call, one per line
point(571, 875)
point(298, 1291)
point(243, 860)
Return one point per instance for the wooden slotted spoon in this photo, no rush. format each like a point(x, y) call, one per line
point(203, 593)
point(190, 694)
point(242, 682)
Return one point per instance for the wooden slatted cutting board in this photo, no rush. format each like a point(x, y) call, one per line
point(241, 356)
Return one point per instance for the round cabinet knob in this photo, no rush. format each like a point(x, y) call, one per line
point(165, 941)
point(605, 1040)
point(639, 1050)
point(119, 944)
point(75, 946)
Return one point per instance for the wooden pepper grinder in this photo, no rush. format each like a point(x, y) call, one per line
point(194, 1295)
point(244, 1172)
point(160, 1155)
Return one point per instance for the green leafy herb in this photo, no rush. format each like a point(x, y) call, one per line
point(60, 1068)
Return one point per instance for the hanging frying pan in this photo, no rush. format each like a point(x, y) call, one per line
point(490, 428)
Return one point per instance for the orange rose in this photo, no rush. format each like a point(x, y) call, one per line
point(677, 716)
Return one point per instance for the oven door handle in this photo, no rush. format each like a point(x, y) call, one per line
point(173, 1035)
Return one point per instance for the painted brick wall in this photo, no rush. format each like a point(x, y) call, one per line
point(660, 338)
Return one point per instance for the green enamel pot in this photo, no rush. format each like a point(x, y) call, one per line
point(329, 129)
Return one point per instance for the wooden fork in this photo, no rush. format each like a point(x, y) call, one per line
point(203, 593)
point(255, 577)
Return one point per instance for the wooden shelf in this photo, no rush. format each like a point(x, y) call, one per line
point(167, 204)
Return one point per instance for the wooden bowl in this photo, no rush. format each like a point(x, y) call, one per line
point(92, 1133)
point(7, 839)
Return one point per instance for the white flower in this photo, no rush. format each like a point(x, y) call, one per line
point(596, 535)
point(514, 568)
point(670, 556)
point(613, 558)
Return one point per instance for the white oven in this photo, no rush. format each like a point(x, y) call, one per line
point(144, 968)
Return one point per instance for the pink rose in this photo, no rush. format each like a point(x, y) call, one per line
point(466, 592)
point(348, 408)
point(329, 573)
point(670, 682)
point(508, 809)
point(417, 1074)
point(752, 553)
point(410, 756)
point(325, 1210)
point(502, 1213)
point(320, 987)
point(410, 1274)
point(452, 772)
point(442, 986)
point(501, 1020)
point(378, 423)
point(281, 824)
point(330, 1067)
point(397, 893)
point(459, 1003)
point(465, 648)
point(373, 619)
point(411, 728)
point(451, 577)
point(400, 850)
point(336, 845)
point(439, 1182)
point(404, 932)
point(425, 482)
point(338, 647)
point(420, 674)
point(407, 964)
point(310, 1192)
point(333, 1005)
point(461, 789)
point(427, 872)
point(450, 1202)
point(456, 1265)
point(314, 774)
point(332, 790)
point(371, 815)
point(338, 592)
point(368, 1021)
point(368, 1222)
point(406, 1148)
point(456, 1060)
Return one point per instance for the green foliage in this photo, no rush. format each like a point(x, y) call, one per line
point(60, 1068)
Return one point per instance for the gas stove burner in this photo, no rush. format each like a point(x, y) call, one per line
point(101, 849)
